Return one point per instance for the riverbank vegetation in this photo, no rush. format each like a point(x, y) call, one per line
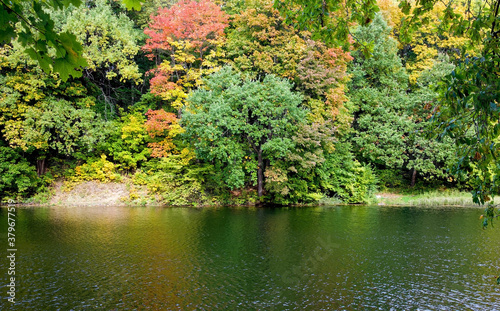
point(227, 102)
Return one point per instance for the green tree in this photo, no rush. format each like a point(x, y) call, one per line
point(128, 142)
point(43, 115)
point(17, 175)
point(390, 121)
point(242, 125)
point(110, 44)
point(319, 165)
point(29, 23)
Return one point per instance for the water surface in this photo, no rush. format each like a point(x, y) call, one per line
point(324, 258)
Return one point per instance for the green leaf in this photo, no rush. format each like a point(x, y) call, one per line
point(43, 61)
point(65, 69)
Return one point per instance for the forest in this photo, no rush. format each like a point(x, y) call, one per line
point(247, 101)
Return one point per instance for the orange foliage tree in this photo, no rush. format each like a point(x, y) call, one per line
point(185, 42)
point(158, 125)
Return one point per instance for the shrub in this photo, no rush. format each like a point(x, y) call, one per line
point(17, 176)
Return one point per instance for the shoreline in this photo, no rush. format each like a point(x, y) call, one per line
point(98, 194)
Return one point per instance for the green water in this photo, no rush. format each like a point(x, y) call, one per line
point(328, 258)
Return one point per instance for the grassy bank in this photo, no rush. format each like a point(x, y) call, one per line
point(428, 198)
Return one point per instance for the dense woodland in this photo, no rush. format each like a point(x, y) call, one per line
point(236, 102)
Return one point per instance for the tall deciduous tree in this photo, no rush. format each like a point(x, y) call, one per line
point(260, 42)
point(242, 125)
point(30, 24)
point(184, 40)
point(110, 45)
point(389, 126)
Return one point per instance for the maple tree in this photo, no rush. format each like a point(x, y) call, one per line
point(157, 126)
point(322, 76)
point(184, 41)
point(196, 22)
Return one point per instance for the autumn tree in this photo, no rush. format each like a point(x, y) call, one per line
point(185, 42)
point(35, 104)
point(261, 43)
point(128, 140)
point(243, 125)
point(322, 77)
point(159, 126)
point(427, 43)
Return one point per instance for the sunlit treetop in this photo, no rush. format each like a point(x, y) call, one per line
point(195, 22)
point(33, 27)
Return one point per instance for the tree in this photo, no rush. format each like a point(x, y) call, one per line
point(184, 40)
point(128, 142)
point(110, 43)
point(37, 34)
point(328, 20)
point(390, 121)
point(17, 176)
point(464, 107)
point(322, 77)
point(158, 126)
point(242, 125)
point(40, 114)
point(468, 110)
point(426, 44)
point(260, 43)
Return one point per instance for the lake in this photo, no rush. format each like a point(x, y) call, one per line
point(314, 258)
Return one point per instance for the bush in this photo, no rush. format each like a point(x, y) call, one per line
point(350, 181)
point(18, 177)
point(101, 170)
point(176, 180)
point(127, 144)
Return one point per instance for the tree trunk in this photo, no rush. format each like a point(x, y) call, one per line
point(260, 175)
point(40, 166)
point(413, 177)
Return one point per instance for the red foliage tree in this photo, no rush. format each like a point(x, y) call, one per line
point(157, 126)
point(192, 21)
point(184, 40)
